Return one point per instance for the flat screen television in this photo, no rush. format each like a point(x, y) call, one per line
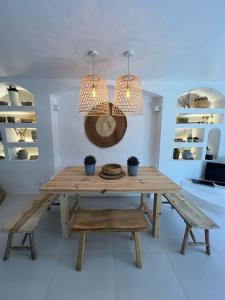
point(215, 172)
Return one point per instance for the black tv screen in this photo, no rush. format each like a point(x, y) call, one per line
point(215, 172)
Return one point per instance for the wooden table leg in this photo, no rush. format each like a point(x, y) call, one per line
point(64, 213)
point(137, 249)
point(143, 201)
point(156, 214)
point(80, 251)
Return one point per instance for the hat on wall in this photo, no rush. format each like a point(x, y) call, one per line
point(106, 130)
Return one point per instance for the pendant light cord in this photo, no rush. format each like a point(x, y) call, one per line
point(93, 65)
point(128, 64)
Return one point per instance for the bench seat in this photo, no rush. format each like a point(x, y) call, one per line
point(193, 217)
point(108, 220)
point(25, 222)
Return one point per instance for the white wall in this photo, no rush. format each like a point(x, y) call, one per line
point(17, 177)
point(71, 144)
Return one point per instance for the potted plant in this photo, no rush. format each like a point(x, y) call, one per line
point(132, 166)
point(89, 163)
point(13, 95)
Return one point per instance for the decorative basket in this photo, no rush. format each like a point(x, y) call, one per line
point(201, 102)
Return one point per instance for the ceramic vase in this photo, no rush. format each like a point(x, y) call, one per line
point(14, 97)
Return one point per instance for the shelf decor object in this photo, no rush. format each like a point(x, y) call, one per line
point(13, 95)
point(94, 98)
point(105, 131)
point(22, 133)
point(128, 99)
point(201, 102)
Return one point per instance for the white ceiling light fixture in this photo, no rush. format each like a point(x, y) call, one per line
point(94, 98)
point(128, 98)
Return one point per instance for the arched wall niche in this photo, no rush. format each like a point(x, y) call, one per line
point(213, 143)
point(215, 98)
point(24, 97)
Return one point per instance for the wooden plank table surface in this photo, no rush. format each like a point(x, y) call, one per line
point(73, 180)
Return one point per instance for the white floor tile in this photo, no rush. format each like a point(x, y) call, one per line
point(95, 281)
point(21, 278)
point(155, 281)
point(201, 276)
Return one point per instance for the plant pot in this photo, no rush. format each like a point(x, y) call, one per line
point(14, 97)
point(132, 170)
point(89, 170)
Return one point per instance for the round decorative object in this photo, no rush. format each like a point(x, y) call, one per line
point(111, 169)
point(187, 154)
point(105, 131)
point(121, 175)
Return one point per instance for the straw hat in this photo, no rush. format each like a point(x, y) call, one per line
point(106, 130)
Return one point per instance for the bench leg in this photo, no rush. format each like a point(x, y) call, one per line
point(137, 249)
point(185, 240)
point(80, 251)
point(24, 238)
point(132, 236)
point(207, 241)
point(8, 246)
point(32, 245)
point(192, 236)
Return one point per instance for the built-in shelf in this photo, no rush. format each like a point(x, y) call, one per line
point(200, 113)
point(21, 135)
point(31, 152)
point(6, 108)
point(11, 117)
point(205, 119)
point(195, 151)
point(18, 125)
point(189, 135)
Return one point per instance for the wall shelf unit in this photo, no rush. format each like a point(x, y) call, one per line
point(18, 125)
point(198, 128)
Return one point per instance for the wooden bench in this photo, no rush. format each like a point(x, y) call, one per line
point(25, 223)
point(194, 218)
point(109, 220)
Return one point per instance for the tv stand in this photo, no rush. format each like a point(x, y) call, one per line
point(204, 195)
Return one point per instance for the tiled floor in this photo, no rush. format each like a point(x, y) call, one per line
point(109, 271)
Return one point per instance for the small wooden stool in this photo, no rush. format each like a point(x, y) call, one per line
point(109, 220)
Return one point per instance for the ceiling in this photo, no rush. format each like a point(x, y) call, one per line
point(172, 39)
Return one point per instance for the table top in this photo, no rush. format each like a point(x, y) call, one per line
point(73, 179)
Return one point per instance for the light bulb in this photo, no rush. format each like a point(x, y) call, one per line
point(93, 91)
point(128, 92)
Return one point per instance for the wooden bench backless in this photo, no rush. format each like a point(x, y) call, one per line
point(109, 220)
point(25, 222)
point(194, 218)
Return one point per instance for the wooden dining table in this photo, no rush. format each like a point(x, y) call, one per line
point(73, 180)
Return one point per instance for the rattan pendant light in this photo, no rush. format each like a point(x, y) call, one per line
point(128, 93)
point(94, 98)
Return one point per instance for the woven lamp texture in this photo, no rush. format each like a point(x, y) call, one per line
point(89, 104)
point(132, 105)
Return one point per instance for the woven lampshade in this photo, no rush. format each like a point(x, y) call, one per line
point(128, 96)
point(93, 92)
